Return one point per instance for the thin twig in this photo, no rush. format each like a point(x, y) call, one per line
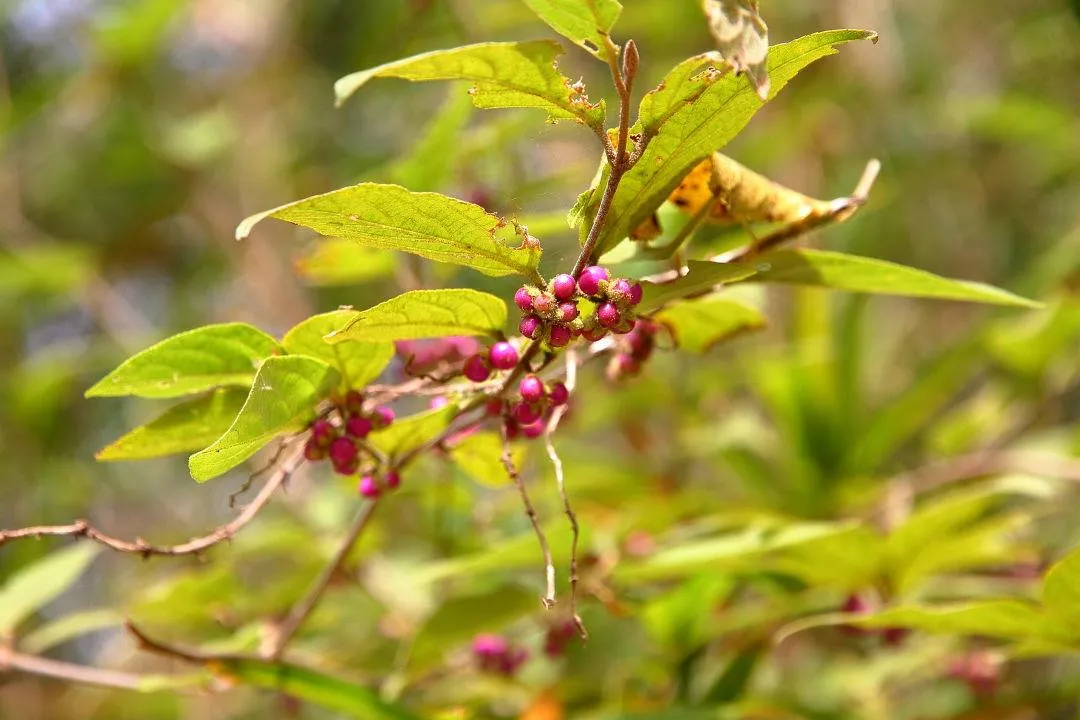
point(160, 648)
point(549, 564)
point(71, 672)
point(83, 529)
point(556, 462)
point(270, 464)
point(303, 609)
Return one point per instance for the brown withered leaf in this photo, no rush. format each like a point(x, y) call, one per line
point(742, 37)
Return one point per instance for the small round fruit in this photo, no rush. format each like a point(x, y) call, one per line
point(525, 413)
point(607, 315)
point(568, 312)
point(595, 333)
point(533, 430)
point(590, 279)
point(544, 303)
point(523, 299)
point(531, 389)
point(635, 294)
point(313, 451)
point(342, 452)
point(369, 487)
point(559, 336)
point(476, 368)
point(383, 416)
point(563, 286)
point(503, 356)
point(531, 326)
point(620, 289)
point(359, 426)
point(559, 394)
point(393, 479)
point(323, 433)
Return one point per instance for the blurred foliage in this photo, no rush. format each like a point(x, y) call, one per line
point(728, 499)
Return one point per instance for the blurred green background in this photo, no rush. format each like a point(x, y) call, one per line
point(135, 135)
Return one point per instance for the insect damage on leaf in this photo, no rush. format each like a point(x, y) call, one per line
point(742, 38)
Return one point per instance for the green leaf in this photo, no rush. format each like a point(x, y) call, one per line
point(732, 683)
point(282, 399)
point(1061, 592)
point(333, 261)
point(358, 362)
point(317, 688)
point(190, 362)
point(480, 456)
point(681, 86)
point(428, 164)
point(742, 37)
point(37, 584)
point(506, 75)
point(68, 628)
point(389, 217)
point(840, 271)
point(704, 125)
point(701, 277)
point(426, 314)
point(700, 324)
point(413, 431)
point(189, 426)
point(1008, 619)
point(586, 22)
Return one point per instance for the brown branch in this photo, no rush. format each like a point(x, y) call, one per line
point(530, 511)
point(83, 529)
point(70, 672)
point(300, 612)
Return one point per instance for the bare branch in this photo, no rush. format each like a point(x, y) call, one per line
point(70, 672)
point(549, 564)
point(83, 529)
point(300, 612)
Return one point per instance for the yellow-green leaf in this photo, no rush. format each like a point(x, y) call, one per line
point(358, 362)
point(697, 325)
point(40, 582)
point(586, 22)
point(426, 314)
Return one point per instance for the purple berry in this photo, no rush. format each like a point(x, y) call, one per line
point(358, 426)
point(438, 401)
point(620, 289)
point(595, 333)
point(523, 299)
point(369, 487)
point(531, 326)
point(559, 394)
point(393, 479)
point(354, 401)
point(323, 433)
point(533, 430)
point(563, 286)
point(383, 416)
point(488, 645)
point(589, 281)
point(568, 311)
point(503, 355)
point(559, 336)
point(313, 451)
point(544, 303)
point(476, 368)
point(494, 407)
point(525, 413)
point(635, 294)
point(342, 451)
point(607, 315)
point(531, 389)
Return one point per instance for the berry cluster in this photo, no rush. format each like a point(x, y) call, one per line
point(529, 414)
point(494, 654)
point(554, 314)
point(558, 636)
point(500, 356)
point(343, 443)
point(634, 349)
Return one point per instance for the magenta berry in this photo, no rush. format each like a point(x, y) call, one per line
point(595, 333)
point(323, 433)
point(568, 311)
point(437, 402)
point(559, 394)
point(607, 315)
point(531, 326)
point(393, 479)
point(368, 486)
point(503, 356)
point(525, 413)
point(488, 645)
point(354, 401)
point(494, 407)
point(342, 451)
point(591, 277)
point(544, 303)
point(383, 416)
point(559, 336)
point(476, 368)
point(533, 430)
point(523, 299)
point(313, 451)
point(635, 294)
point(563, 286)
point(358, 426)
point(620, 289)
point(531, 389)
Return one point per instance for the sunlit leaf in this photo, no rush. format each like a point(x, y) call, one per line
point(358, 362)
point(426, 314)
point(1009, 619)
point(701, 277)
point(697, 325)
point(742, 37)
point(413, 431)
point(191, 425)
point(68, 628)
point(1061, 592)
point(506, 75)
point(586, 22)
point(681, 86)
point(702, 126)
point(191, 362)
point(333, 261)
point(282, 399)
point(37, 584)
point(480, 456)
point(430, 225)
